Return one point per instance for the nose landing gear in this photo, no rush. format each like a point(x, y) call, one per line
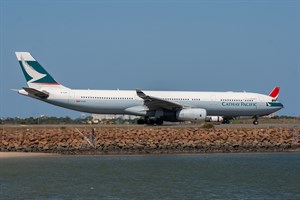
point(255, 121)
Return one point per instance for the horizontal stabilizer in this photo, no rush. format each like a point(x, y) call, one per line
point(35, 92)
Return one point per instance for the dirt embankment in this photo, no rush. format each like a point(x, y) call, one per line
point(141, 140)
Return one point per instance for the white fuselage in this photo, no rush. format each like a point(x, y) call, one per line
point(229, 104)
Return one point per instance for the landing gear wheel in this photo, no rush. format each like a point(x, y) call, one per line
point(150, 121)
point(226, 121)
point(140, 121)
point(255, 122)
point(159, 122)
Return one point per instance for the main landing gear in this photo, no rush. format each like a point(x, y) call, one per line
point(150, 121)
point(226, 121)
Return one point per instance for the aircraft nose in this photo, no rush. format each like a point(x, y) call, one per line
point(275, 105)
point(280, 105)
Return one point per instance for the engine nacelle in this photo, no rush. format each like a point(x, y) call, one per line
point(191, 114)
point(214, 119)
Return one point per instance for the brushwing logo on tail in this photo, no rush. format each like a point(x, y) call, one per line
point(31, 71)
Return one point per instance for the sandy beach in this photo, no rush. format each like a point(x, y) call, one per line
point(23, 154)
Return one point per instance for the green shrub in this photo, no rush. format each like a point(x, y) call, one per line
point(208, 125)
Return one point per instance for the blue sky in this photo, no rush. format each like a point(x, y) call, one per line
point(158, 45)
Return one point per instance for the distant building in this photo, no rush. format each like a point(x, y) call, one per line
point(270, 115)
point(109, 117)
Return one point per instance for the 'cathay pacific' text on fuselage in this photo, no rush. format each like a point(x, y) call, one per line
point(242, 104)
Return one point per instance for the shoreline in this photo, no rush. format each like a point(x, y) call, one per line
point(24, 154)
point(4, 155)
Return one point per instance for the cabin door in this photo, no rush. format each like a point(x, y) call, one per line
point(260, 103)
point(71, 97)
point(213, 100)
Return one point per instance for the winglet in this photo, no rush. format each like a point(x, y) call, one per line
point(141, 94)
point(274, 93)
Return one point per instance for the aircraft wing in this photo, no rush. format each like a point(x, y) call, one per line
point(155, 103)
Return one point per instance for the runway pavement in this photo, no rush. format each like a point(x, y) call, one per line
point(249, 126)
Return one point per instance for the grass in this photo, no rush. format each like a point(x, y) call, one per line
point(268, 121)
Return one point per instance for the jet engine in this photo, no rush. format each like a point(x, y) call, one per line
point(191, 114)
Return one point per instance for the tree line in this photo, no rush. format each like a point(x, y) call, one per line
point(43, 120)
point(59, 120)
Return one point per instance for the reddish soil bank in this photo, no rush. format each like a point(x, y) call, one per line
point(141, 140)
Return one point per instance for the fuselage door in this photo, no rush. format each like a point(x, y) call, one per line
point(261, 102)
point(71, 96)
point(213, 100)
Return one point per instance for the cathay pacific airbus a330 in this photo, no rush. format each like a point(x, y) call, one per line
point(155, 107)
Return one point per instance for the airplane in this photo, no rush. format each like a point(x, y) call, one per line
point(154, 107)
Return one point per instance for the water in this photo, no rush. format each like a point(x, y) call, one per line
point(198, 176)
